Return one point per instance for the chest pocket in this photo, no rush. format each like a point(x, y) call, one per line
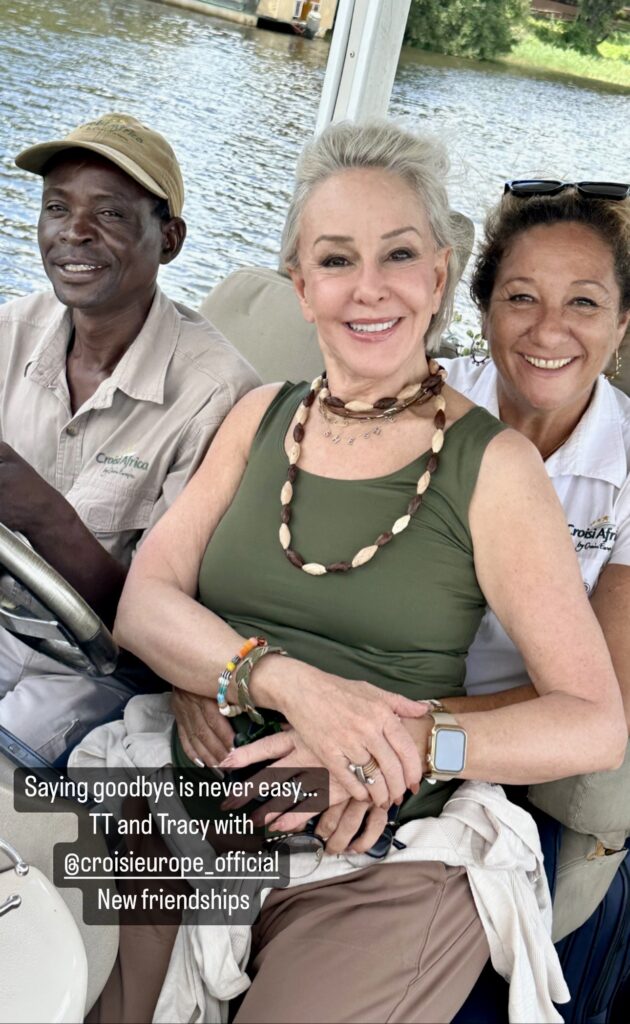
point(117, 516)
point(115, 506)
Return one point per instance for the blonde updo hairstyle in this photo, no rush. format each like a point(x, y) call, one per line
point(420, 161)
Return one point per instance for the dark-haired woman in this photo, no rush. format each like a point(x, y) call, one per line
point(552, 283)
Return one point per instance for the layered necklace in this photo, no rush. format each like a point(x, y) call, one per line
point(336, 429)
point(384, 408)
point(339, 415)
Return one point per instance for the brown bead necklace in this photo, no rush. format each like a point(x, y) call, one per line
point(430, 387)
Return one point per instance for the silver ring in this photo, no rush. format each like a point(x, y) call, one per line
point(359, 771)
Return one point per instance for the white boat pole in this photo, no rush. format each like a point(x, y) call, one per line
point(362, 61)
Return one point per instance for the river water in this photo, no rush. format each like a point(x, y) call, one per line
point(237, 103)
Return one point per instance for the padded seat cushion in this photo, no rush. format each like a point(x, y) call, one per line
point(258, 311)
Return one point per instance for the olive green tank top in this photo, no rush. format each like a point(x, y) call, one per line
point(405, 620)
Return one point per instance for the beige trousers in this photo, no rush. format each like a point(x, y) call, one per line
point(401, 943)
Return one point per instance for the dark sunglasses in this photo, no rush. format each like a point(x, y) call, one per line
point(527, 187)
point(312, 846)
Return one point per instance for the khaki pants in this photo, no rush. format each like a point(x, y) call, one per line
point(391, 944)
point(48, 706)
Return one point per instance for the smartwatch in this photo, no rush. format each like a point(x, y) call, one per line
point(446, 756)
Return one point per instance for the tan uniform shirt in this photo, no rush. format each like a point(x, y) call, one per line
point(125, 455)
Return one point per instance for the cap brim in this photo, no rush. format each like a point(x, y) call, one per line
point(35, 159)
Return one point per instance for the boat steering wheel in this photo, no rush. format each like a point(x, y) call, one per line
point(42, 610)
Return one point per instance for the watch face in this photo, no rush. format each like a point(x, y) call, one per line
point(450, 751)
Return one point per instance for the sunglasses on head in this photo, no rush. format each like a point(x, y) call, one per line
point(528, 187)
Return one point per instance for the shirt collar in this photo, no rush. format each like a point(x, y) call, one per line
point(142, 370)
point(595, 449)
point(48, 361)
point(140, 373)
point(484, 390)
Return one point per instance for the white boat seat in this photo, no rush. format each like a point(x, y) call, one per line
point(257, 310)
point(34, 836)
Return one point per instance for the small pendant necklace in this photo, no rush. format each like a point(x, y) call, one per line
point(337, 427)
point(429, 388)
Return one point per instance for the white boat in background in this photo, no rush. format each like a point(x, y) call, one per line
point(308, 18)
point(305, 17)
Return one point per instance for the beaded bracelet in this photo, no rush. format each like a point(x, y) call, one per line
point(231, 710)
point(243, 673)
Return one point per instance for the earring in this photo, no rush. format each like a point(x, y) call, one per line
point(479, 350)
point(617, 371)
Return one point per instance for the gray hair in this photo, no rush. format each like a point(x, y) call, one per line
point(419, 160)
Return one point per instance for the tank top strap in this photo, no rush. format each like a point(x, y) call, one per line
point(272, 429)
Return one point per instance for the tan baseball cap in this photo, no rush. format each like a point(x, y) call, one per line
point(143, 154)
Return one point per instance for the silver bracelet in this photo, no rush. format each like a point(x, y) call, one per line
point(243, 672)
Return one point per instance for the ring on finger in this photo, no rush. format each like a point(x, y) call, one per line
point(365, 773)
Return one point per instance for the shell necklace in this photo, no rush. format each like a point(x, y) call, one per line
point(430, 387)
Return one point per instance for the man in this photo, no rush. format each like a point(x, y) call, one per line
point(109, 395)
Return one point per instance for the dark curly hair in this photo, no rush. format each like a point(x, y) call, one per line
point(610, 219)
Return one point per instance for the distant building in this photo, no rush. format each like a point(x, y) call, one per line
point(565, 9)
point(306, 16)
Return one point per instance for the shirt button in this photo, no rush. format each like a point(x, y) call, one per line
point(72, 431)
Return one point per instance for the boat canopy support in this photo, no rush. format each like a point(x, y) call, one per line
point(363, 58)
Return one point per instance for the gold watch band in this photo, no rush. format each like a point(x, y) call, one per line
point(443, 720)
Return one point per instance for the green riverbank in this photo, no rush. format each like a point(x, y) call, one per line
point(538, 50)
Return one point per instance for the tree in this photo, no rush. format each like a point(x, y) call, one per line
point(592, 25)
point(479, 29)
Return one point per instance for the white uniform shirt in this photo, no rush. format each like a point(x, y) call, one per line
point(590, 475)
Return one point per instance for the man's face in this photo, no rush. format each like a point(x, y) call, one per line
point(101, 242)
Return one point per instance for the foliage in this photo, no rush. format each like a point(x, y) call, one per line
point(616, 47)
point(482, 29)
point(478, 29)
point(592, 25)
point(607, 65)
point(465, 340)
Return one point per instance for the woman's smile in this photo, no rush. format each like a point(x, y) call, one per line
point(373, 330)
point(549, 367)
